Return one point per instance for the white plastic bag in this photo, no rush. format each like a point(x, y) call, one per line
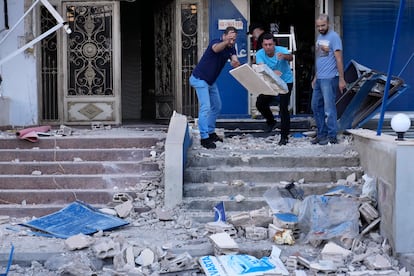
point(326, 217)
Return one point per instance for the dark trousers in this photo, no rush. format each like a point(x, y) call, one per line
point(264, 102)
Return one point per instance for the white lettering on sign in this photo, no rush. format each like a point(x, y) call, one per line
point(210, 266)
point(241, 53)
point(224, 23)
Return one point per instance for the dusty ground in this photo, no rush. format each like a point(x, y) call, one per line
point(159, 241)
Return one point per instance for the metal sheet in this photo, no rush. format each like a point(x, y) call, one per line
point(76, 218)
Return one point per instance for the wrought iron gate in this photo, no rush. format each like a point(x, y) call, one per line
point(189, 52)
point(91, 63)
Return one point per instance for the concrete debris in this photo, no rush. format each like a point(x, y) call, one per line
point(97, 125)
point(109, 211)
point(4, 219)
point(36, 172)
point(256, 233)
point(106, 249)
point(304, 262)
point(164, 215)
point(214, 227)
point(377, 262)
point(368, 212)
point(124, 209)
point(64, 131)
point(237, 182)
point(79, 241)
point(175, 263)
point(146, 257)
point(239, 198)
point(323, 266)
point(239, 219)
point(335, 253)
point(121, 197)
point(224, 244)
point(159, 241)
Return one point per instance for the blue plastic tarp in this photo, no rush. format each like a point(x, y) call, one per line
point(76, 218)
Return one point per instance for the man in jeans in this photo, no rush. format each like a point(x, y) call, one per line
point(277, 58)
point(203, 79)
point(328, 78)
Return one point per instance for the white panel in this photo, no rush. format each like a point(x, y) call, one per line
point(242, 6)
point(254, 82)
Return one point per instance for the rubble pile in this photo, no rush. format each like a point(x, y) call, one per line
point(335, 233)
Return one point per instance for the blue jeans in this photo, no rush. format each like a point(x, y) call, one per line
point(209, 105)
point(324, 107)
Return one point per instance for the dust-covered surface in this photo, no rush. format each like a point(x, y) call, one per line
point(158, 241)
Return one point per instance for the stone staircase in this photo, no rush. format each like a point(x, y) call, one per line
point(41, 178)
point(212, 176)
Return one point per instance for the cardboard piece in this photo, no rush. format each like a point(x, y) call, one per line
point(259, 80)
point(241, 264)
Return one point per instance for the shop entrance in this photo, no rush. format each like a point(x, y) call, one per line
point(278, 16)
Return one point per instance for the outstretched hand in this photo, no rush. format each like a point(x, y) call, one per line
point(235, 63)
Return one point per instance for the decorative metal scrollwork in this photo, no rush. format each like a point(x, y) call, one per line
point(90, 57)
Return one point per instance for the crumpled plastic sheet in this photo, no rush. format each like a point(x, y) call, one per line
point(328, 217)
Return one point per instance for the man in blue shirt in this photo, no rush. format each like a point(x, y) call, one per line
point(277, 58)
point(203, 79)
point(328, 79)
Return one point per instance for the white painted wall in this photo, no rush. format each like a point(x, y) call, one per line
point(19, 73)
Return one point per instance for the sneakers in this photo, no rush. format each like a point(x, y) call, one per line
point(320, 141)
point(269, 127)
point(283, 141)
point(315, 140)
point(333, 140)
point(215, 138)
point(324, 141)
point(208, 143)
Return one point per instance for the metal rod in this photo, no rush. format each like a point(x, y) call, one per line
point(405, 66)
point(56, 15)
point(391, 64)
point(31, 43)
point(18, 21)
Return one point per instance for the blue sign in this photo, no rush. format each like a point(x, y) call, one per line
point(235, 98)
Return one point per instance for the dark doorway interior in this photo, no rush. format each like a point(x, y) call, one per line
point(137, 58)
point(300, 15)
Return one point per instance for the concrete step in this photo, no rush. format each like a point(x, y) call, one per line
point(276, 160)
point(75, 181)
point(58, 196)
point(106, 140)
point(248, 189)
point(249, 169)
point(202, 197)
point(269, 174)
point(58, 154)
point(38, 210)
point(78, 168)
point(43, 177)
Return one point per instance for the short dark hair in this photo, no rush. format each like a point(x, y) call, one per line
point(268, 36)
point(254, 26)
point(230, 29)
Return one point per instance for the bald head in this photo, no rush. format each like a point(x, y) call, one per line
point(323, 17)
point(322, 23)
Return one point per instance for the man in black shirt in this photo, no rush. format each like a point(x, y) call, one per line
point(257, 31)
